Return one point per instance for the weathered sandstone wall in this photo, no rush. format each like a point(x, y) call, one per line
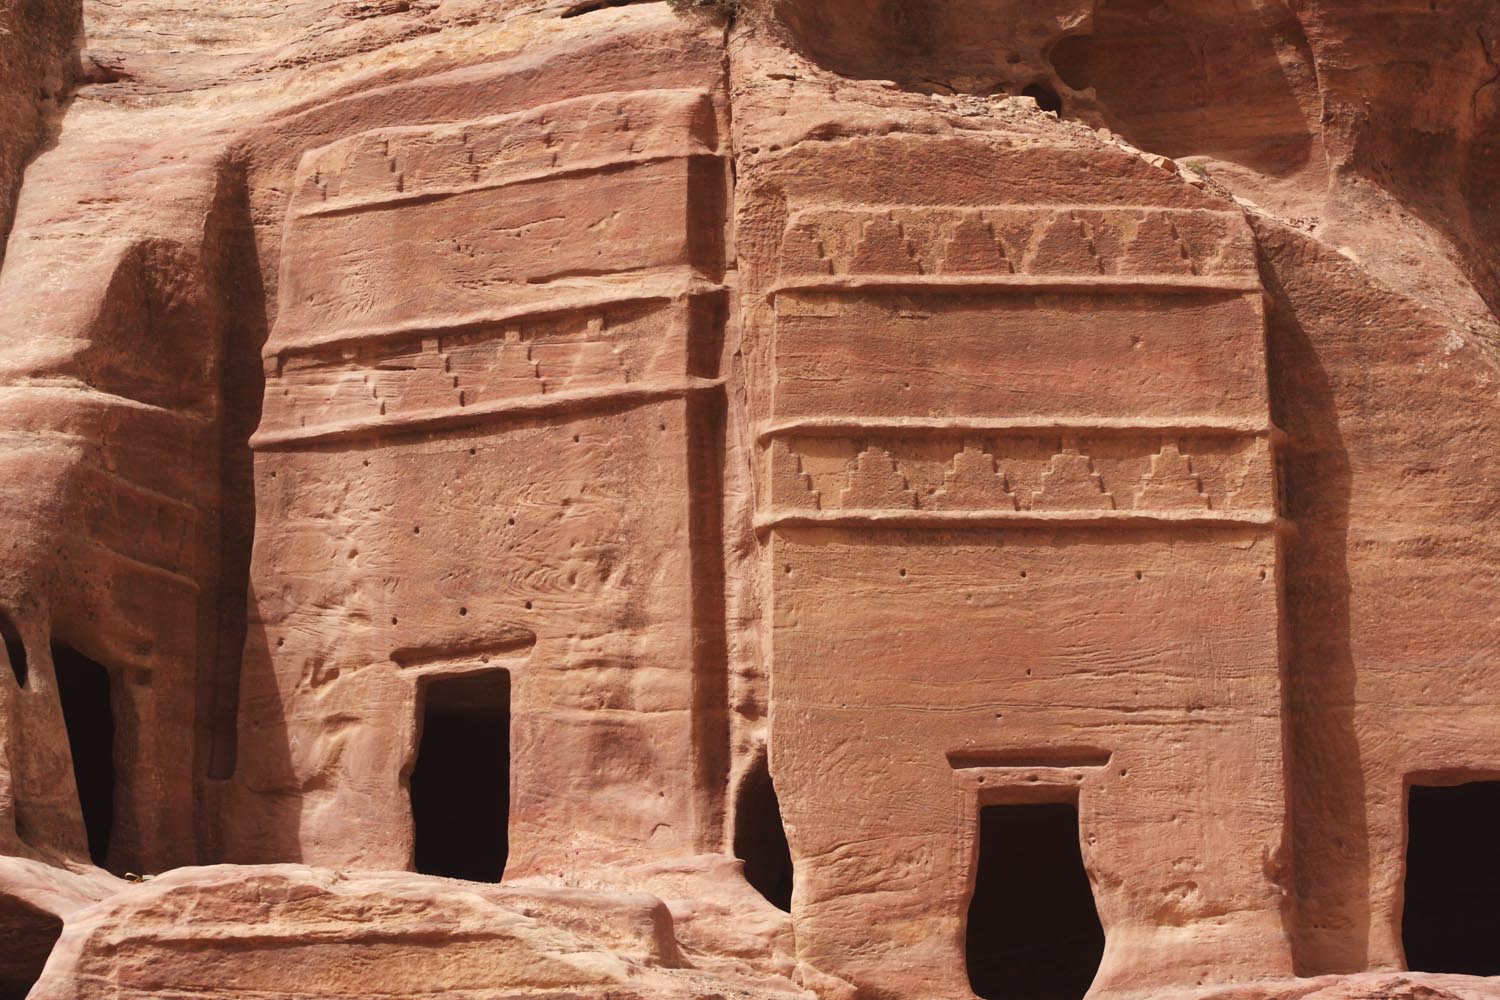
point(706, 473)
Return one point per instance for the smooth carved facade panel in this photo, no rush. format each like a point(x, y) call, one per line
point(556, 360)
point(1032, 424)
point(1018, 472)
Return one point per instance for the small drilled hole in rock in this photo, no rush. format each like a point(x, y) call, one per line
point(416, 529)
point(1139, 575)
point(902, 572)
point(528, 605)
point(462, 612)
point(1046, 98)
point(1023, 574)
point(393, 620)
point(576, 438)
point(473, 451)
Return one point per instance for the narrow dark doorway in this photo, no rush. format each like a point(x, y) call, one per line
point(1033, 931)
point(1453, 879)
point(760, 839)
point(15, 649)
point(460, 785)
point(27, 936)
point(83, 688)
point(1046, 98)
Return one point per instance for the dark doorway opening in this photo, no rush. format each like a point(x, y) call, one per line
point(1046, 98)
point(83, 688)
point(1033, 931)
point(1453, 879)
point(15, 649)
point(760, 839)
point(460, 785)
point(27, 936)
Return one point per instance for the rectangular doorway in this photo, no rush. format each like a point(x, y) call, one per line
point(83, 689)
point(1451, 920)
point(460, 784)
point(1033, 932)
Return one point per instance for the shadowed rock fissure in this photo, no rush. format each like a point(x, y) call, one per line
point(27, 936)
point(240, 294)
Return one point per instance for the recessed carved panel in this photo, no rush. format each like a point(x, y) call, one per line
point(1015, 240)
point(996, 472)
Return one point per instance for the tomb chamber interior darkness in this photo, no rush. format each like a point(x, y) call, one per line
point(15, 650)
point(83, 689)
point(760, 838)
point(460, 784)
point(1033, 932)
point(750, 499)
point(1451, 918)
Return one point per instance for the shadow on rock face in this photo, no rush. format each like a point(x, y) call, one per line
point(28, 935)
point(935, 46)
point(1180, 77)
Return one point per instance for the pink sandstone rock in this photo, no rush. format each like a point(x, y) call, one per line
point(840, 499)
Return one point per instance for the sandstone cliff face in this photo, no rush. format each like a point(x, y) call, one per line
point(37, 43)
point(855, 500)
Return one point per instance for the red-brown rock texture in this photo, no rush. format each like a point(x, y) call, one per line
point(838, 499)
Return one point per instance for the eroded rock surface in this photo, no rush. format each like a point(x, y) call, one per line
point(856, 500)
